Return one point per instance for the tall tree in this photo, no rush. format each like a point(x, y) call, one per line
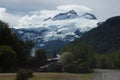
point(41, 58)
point(7, 58)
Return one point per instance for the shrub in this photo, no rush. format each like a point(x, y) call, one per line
point(24, 74)
point(21, 75)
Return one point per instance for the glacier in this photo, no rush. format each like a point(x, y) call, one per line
point(53, 32)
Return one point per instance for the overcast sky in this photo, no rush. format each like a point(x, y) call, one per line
point(102, 9)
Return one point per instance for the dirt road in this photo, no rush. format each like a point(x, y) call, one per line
point(107, 75)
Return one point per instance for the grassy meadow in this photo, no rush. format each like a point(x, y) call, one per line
point(50, 76)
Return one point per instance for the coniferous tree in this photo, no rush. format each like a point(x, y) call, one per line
point(40, 57)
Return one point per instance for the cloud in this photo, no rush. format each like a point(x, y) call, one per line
point(64, 8)
point(37, 17)
point(78, 8)
point(11, 19)
point(101, 7)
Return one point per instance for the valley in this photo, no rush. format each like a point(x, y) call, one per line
point(39, 41)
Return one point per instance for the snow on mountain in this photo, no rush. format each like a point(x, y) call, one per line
point(52, 32)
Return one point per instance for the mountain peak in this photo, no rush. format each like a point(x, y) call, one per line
point(72, 12)
point(68, 15)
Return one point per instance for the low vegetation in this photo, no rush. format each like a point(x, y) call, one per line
point(24, 74)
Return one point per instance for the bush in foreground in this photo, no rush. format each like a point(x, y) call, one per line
point(24, 74)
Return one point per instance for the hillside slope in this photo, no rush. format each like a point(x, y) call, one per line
point(105, 38)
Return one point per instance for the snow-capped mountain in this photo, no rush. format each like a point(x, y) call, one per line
point(55, 31)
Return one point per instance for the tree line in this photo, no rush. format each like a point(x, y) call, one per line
point(82, 58)
point(15, 53)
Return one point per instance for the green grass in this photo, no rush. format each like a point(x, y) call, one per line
point(7, 78)
point(51, 76)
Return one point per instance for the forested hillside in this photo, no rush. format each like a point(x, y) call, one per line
point(105, 38)
point(103, 44)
